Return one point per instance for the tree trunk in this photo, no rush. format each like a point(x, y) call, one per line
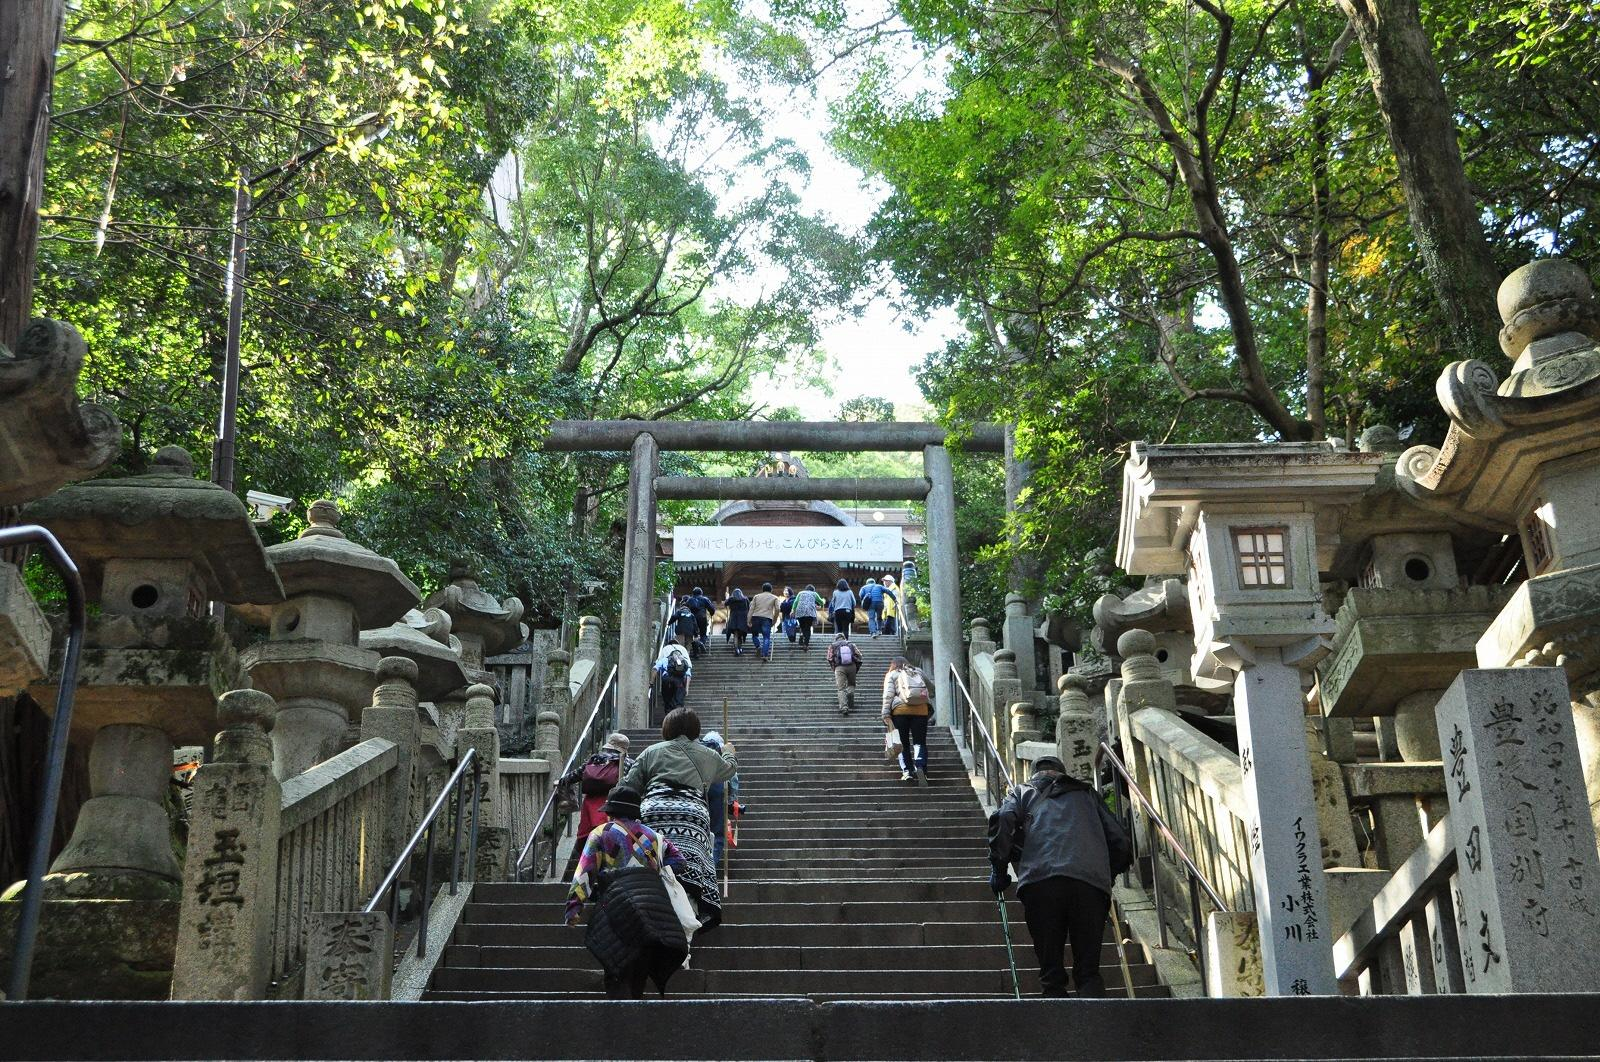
point(30, 32)
point(1422, 133)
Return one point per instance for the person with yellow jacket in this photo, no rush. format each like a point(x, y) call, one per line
point(907, 704)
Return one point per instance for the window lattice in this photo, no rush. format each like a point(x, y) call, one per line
point(1263, 556)
point(1538, 537)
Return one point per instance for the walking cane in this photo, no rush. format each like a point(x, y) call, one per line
point(1005, 925)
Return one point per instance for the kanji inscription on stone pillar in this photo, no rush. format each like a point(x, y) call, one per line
point(1527, 894)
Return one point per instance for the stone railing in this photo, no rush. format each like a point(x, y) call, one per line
point(1196, 784)
point(1407, 941)
point(330, 844)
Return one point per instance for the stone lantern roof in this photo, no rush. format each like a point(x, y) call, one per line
point(1501, 432)
point(1164, 486)
point(424, 638)
point(477, 614)
point(164, 514)
point(323, 561)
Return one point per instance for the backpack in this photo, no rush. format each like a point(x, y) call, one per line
point(677, 665)
point(599, 778)
point(912, 687)
point(846, 654)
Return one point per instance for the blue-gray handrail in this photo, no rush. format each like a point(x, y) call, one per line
point(55, 756)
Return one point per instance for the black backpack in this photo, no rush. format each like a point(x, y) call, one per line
point(677, 665)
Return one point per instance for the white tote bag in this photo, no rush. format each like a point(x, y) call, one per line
point(891, 744)
point(682, 906)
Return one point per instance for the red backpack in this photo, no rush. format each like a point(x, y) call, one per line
point(599, 778)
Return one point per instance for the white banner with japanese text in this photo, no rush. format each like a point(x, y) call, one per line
point(696, 543)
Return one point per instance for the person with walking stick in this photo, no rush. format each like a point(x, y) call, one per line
point(1066, 848)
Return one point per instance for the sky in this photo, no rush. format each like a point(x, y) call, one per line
point(874, 354)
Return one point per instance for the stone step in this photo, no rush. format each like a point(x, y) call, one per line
point(588, 979)
point(808, 957)
point(854, 1026)
point(746, 913)
point(778, 934)
point(906, 891)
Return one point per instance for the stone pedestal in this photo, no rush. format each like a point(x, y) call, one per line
point(230, 876)
point(122, 843)
point(1528, 911)
point(1233, 956)
point(1333, 805)
point(349, 956)
point(1285, 845)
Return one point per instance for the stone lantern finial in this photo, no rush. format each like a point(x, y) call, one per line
point(323, 516)
point(1545, 300)
point(173, 461)
point(1138, 651)
point(1379, 439)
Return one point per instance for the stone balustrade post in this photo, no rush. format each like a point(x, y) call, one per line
point(479, 733)
point(557, 698)
point(1017, 633)
point(979, 641)
point(1143, 686)
point(1006, 689)
point(1077, 729)
point(547, 738)
point(349, 955)
point(1024, 721)
point(588, 640)
point(393, 716)
point(230, 877)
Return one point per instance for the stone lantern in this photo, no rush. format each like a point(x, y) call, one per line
point(312, 663)
point(155, 551)
point(485, 625)
point(1253, 527)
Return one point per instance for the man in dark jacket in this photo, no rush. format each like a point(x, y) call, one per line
point(1066, 847)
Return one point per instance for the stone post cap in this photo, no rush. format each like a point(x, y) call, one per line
point(1016, 599)
point(478, 690)
point(549, 718)
point(247, 709)
point(323, 518)
point(1070, 683)
point(1136, 642)
point(398, 668)
point(979, 622)
point(588, 621)
point(1545, 298)
point(558, 658)
point(1008, 656)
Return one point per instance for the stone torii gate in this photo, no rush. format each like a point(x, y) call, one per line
point(646, 439)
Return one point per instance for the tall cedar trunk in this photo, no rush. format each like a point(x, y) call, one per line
point(1422, 133)
point(1321, 244)
point(30, 31)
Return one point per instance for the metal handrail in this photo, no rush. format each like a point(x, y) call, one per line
point(454, 784)
point(667, 610)
point(579, 746)
point(1105, 752)
point(55, 755)
point(1196, 879)
point(993, 756)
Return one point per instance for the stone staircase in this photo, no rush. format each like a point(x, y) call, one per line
point(847, 884)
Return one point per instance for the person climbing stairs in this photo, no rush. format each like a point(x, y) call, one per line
point(846, 883)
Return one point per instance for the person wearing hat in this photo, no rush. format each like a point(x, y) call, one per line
point(595, 777)
point(634, 931)
point(1066, 848)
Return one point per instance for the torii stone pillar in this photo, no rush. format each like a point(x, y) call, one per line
point(634, 654)
point(944, 578)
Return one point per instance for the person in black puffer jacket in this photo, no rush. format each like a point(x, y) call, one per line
point(634, 931)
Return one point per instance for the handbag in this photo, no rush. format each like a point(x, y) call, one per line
point(682, 906)
point(892, 745)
